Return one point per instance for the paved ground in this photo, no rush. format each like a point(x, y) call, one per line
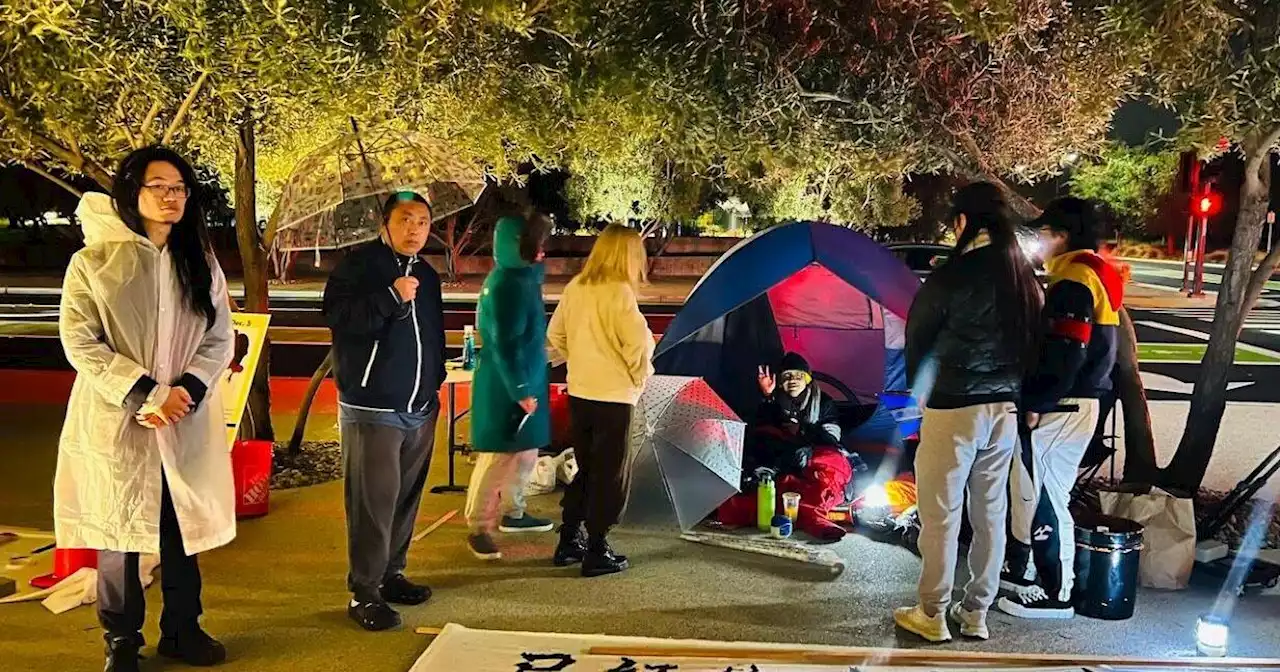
point(276, 598)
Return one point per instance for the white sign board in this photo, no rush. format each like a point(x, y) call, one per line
point(458, 648)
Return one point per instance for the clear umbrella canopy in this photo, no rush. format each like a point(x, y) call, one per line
point(334, 196)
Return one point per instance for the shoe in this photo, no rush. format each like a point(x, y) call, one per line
point(601, 560)
point(194, 647)
point(525, 523)
point(572, 547)
point(973, 624)
point(399, 590)
point(122, 654)
point(1014, 582)
point(373, 616)
point(1033, 602)
point(914, 620)
point(482, 547)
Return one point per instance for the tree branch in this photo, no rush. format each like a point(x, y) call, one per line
point(826, 97)
point(181, 115)
point(51, 177)
point(145, 129)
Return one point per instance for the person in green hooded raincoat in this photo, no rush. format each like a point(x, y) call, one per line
point(510, 411)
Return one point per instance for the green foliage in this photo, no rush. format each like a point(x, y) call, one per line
point(1131, 181)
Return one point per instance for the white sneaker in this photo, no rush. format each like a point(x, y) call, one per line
point(914, 620)
point(972, 623)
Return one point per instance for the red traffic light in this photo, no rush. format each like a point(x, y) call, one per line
point(1207, 204)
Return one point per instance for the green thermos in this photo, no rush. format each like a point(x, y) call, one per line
point(766, 499)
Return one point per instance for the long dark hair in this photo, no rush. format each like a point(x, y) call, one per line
point(1019, 301)
point(189, 239)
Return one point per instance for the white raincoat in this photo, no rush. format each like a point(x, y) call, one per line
point(122, 317)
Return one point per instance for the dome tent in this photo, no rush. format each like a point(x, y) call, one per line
point(827, 292)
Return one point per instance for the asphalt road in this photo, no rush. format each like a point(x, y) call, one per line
point(1168, 274)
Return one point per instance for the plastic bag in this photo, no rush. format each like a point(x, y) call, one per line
point(1169, 537)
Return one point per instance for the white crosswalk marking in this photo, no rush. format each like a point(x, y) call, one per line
point(1266, 320)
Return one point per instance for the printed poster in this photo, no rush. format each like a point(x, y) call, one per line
point(250, 334)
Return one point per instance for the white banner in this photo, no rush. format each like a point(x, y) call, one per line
point(458, 648)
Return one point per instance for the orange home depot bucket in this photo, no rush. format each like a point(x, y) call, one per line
point(251, 466)
point(66, 561)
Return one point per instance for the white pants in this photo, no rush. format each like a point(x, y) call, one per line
point(1040, 512)
point(964, 455)
point(497, 487)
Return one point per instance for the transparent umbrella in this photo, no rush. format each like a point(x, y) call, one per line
point(685, 452)
point(334, 196)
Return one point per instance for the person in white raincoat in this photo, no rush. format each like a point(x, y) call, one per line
point(143, 462)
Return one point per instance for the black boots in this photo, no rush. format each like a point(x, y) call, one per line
point(601, 560)
point(194, 647)
point(572, 547)
point(122, 653)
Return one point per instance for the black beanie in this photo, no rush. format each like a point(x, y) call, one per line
point(792, 361)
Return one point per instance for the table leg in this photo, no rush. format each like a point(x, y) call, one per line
point(453, 445)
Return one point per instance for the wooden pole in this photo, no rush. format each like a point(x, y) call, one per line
point(854, 656)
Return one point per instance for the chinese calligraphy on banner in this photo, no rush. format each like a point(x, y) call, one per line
point(250, 333)
point(459, 648)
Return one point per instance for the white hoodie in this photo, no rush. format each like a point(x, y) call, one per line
point(122, 317)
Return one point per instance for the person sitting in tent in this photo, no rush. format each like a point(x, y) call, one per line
point(795, 435)
point(793, 419)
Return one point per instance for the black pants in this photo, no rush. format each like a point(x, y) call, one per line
point(122, 607)
point(599, 492)
point(386, 469)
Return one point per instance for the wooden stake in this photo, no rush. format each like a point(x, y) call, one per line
point(853, 656)
point(434, 526)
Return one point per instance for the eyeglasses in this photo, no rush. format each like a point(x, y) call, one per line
point(169, 190)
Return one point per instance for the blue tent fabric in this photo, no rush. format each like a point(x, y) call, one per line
point(727, 327)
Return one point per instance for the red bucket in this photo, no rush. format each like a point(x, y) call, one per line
point(251, 466)
point(561, 436)
point(66, 561)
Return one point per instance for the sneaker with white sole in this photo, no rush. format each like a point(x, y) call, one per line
point(973, 624)
point(482, 547)
point(1013, 581)
point(914, 620)
point(525, 523)
point(1034, 602)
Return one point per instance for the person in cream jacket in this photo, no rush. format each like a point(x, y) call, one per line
point(599, 331)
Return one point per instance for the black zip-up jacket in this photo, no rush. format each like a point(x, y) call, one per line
point(388, 355)
point(956, 321)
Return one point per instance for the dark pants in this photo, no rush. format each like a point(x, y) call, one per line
point(386, 469)
point(122, 607)
point(599, 492)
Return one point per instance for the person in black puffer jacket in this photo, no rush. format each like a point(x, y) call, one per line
point(972, 330)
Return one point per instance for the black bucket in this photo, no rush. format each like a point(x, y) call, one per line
point(1107, 550)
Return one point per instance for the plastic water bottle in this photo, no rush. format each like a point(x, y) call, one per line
point(469, 348)
point(766, 500)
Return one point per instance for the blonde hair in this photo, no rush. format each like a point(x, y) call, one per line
point(617, 256)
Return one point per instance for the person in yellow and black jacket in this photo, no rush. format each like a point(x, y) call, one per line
point(1060, 409)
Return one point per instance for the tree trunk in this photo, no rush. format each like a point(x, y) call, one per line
point(300, 426)
point(1139, 441)
point(1209, 398)
point(253, 258)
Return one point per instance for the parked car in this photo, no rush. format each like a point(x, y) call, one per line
point(922, 258)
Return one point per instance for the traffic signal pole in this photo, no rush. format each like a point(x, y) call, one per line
point(1197, 289)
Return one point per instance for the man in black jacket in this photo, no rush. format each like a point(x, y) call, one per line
point(384, 306)
point(1060, 400)
point(793, 419)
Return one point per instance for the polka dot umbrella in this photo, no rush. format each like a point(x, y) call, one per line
point(685, 452)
